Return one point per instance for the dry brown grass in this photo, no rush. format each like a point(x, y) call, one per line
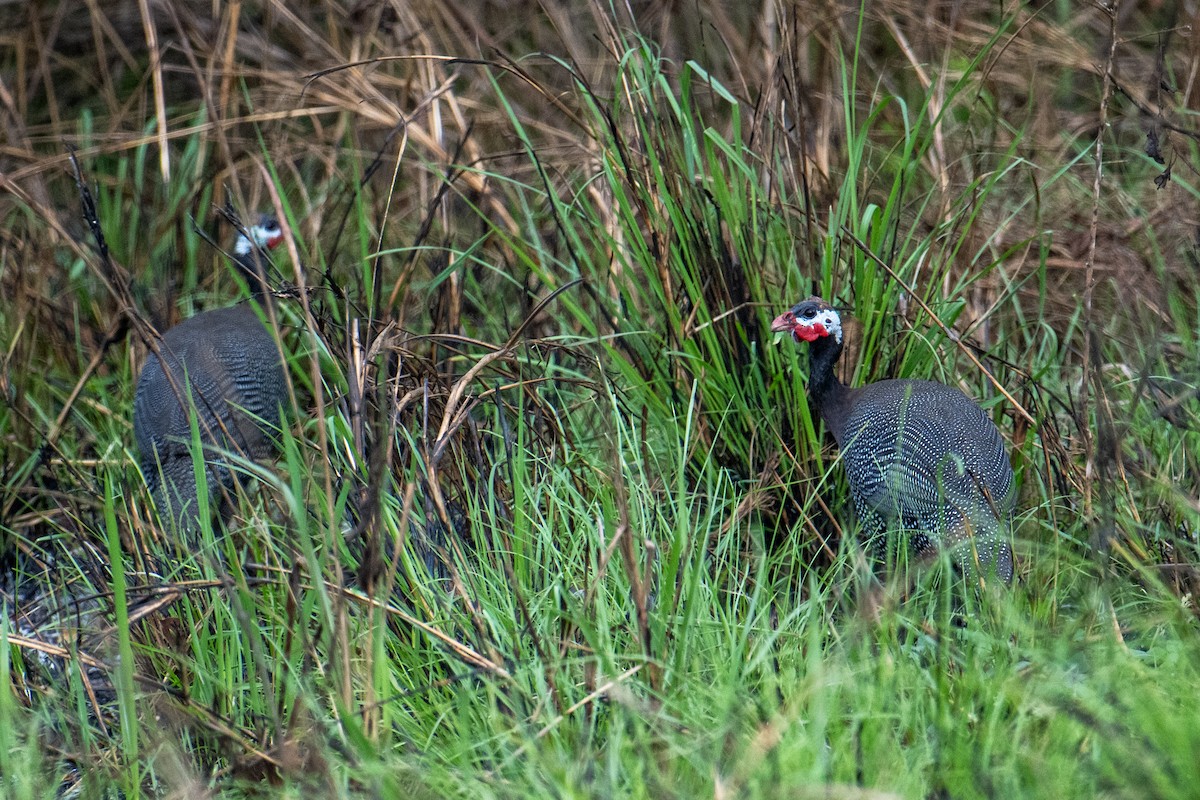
point(419, 82)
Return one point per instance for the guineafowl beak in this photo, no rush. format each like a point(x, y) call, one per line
point(784, 323)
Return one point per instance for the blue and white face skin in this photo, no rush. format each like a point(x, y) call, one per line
point(266, 234)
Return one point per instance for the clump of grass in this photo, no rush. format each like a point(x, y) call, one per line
point(552, 516)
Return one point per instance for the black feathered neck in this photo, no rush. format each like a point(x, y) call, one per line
point(250, 253)
point(826, 393)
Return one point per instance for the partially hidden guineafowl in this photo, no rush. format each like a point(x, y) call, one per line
point(224, 366)
point(920, 457)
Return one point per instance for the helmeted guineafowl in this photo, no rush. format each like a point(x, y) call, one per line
point(920, 456)
point(226, 365)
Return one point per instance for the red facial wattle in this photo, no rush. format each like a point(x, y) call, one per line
point(809, 333)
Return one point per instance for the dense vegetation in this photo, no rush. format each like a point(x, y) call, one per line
point(551, 516)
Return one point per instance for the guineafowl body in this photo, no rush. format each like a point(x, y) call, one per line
point(920, 456)
point(226, 366)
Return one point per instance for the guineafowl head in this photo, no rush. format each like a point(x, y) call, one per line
point(250, 246)
point(265, 234)
point(810, 320)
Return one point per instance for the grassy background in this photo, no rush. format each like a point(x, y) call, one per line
point(551, 517)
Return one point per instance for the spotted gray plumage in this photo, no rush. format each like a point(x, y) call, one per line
point(923, 456)
point(226, 365)
point(919, 456)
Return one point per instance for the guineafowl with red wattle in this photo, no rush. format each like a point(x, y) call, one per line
point(920, 457)
point(224, 368)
